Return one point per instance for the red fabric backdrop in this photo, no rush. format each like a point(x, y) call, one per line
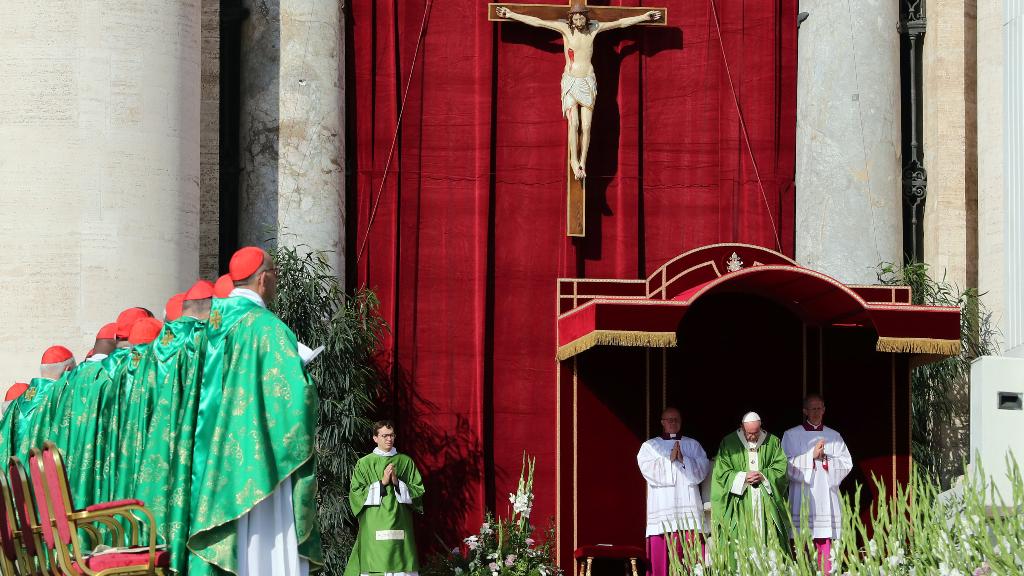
point(465, 239)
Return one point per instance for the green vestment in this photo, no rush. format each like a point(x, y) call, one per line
point(164, 479)
point(64, 426)
point(385, 542)
point(255, 429)
point(23, 412)
point(104, 408)
point(138, 385)
point(732, 513)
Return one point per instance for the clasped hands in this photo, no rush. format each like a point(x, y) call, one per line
point(677, 454)
point(819, 450)
point(754, 478)
point(389, 476)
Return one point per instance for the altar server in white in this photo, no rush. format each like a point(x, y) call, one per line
point(673, 466)
point(818, 462)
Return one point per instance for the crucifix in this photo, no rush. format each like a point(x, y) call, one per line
point(578, 24)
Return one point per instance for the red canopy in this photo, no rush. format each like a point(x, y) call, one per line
point(648, 312)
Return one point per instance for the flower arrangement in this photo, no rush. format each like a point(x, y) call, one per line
point(915, 531)
point(503, 546)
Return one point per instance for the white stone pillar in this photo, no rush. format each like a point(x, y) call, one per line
point(992, 255)
point(848, 157)
point(99, 167)
point(292, 135)
point(950, 142)
point(1014, 177)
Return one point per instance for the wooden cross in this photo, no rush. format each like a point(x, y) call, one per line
point(576, 196)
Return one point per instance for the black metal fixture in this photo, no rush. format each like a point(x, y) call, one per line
point(915, 176)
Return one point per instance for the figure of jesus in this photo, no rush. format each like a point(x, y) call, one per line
point(579, 85)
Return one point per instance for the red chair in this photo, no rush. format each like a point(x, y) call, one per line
point(11, 559)
point(66, 547)
point(35, 560)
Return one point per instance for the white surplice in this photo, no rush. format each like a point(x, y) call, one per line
point(673, 488)
point(809, 476)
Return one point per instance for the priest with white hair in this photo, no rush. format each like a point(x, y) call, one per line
point(749, 485)
point(673, 466)
point(818, 463)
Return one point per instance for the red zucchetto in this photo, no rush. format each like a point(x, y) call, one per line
point(201, 290)
point(145, 331)
point(172, 310)
point(56, 354)
point(14, 391)
point(107, 332)
point(223, 287)
point(126, 319)
point(245, 263)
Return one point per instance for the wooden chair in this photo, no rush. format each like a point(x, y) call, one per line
point(34, 559)
point(65, 544)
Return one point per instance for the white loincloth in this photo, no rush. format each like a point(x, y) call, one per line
point(577, 91)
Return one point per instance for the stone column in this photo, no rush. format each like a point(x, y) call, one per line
point(292, 134)
point(1013, 196)
point(992, 216)
point(99, 167)
point(209, 143)
point(848, 157)
point(950, 142)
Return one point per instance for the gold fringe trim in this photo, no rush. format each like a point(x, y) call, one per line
point(918, 346)
point(617, 338)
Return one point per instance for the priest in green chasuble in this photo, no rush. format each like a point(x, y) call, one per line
point(750, 484)
point(386, 487)
point(253, 494)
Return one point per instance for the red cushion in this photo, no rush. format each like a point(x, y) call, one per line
point(615, 552)
point(123, 559)
point(114, 504)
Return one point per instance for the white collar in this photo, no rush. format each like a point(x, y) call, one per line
point(96, 358)
point(248, 295)
point(748, 444)
point(380, 452)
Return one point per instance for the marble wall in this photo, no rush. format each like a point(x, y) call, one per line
point(848, 162)
point(99, 167)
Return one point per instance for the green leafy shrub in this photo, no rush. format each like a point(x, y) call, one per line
point(312, 301)
point(940, 390)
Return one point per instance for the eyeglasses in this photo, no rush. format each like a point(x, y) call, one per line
point(386, 436)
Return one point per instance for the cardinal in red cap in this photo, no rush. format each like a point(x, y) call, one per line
point(126, 319)
point(253, 273)
point(56, 361)
point(144, 331)
point(106, 341)
point(198, 299)
point(252, 355)
point(223, 287)
point(172, 310)
point(14, 391)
